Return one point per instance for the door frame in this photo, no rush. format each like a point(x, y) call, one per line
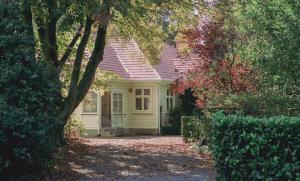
point(111, 99)
point(110, 114)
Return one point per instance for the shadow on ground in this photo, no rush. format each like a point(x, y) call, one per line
point(83, 160)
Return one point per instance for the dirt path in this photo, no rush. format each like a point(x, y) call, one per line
point(131, 158)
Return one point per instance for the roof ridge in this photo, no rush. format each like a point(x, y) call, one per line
point(121, 62)
point(153, 68)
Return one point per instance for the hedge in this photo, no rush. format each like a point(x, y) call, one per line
point(195, 129)
point(247, 148)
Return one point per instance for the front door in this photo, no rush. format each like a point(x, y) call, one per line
point(117, 109)
point(106, 110)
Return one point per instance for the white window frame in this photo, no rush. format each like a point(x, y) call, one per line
point(170, 96)
point(122, 100)
point(142, 96)
point(97, 101)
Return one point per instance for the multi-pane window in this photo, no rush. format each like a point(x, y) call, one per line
point(142, 99)
point(90, 103)
point(117, 103)
point(169, 100)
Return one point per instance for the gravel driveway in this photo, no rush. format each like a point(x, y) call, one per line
point(145, 158)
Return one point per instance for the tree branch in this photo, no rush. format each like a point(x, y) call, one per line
point(27, 16)
point(96, 57)
point(52, 47)
point(70, 47)
point(41, 32)
point(77, 93)
point(79, 55)
point(69, 101)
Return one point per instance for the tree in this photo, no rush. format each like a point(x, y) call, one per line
point(219, 70)
point(251, 43)
point(272, 29)
point(90, 22)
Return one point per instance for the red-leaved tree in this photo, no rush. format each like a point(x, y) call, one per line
point(219, 71)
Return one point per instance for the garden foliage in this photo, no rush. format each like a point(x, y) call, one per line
point(74, 127)
point(196, 129)
point(29, 95)
point(248, 148)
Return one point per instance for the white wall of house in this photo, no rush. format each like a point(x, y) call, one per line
point(131, 117)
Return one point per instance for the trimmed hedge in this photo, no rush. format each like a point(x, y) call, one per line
point(247, 148)
point(193, 129)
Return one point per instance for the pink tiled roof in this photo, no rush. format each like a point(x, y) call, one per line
point(172, 66)
point(128, 61)
point(112, 63)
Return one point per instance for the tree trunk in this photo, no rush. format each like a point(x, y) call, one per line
point(78, 90)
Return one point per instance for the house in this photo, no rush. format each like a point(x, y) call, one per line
point(139, 101)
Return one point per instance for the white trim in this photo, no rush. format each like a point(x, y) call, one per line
point(150, 110)
point(158, 108)
point(97, 101)
point(112, 104)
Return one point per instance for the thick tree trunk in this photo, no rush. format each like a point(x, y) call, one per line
point(46, 27)
point(77, 90)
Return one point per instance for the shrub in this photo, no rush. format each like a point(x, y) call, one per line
point(74, 127)
point(175, 116)
point(29, 95)
point(247, 148)
point(269, 103)
point(196, 129)
point(175, 120)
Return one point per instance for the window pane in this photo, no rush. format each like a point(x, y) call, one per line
point(147, 92)
point(90, 103)
point(86, 106)
point(146, 103)
point(138, 91)
point(94, 106)
point(171, 103)
point(115, 96)
point(115, 104)
point(93, 95)
point(138, 103)
point(120, 107)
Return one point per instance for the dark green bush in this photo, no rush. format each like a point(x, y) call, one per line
point(247, 148)
point(29, 96)
point(175, 116)
point(196, 129)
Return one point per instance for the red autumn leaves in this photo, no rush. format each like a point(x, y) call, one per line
point(219, 71)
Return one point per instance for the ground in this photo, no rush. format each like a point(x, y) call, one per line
point(131, 158)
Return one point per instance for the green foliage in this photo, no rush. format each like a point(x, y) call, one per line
point(145, 22)
point(196, 129)
point(188, 103)
point(272, 29)
point(248, 148)
point(268, 103)
point(74, 127)
point(29, 95)
point(175, 116)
